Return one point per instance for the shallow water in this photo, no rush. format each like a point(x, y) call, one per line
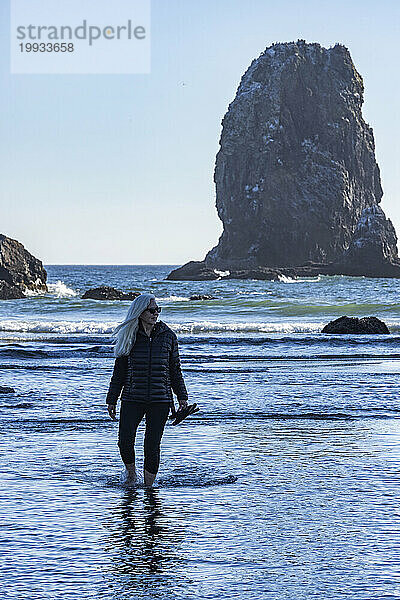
point(285, 485)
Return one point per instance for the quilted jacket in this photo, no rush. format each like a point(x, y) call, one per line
point(151, 368)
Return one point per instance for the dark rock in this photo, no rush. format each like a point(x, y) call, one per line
point(202, 297)
point(9, 292)
point(198, 271)
point(105, 292)
point(296, 165)
point(195, 270)
point(6, 390)
point(261, 273)
point(102, 293)
point(373, 248)
point(129, 295)
point(356, 325)
point(296, 176)
point(310, 269)
point(18, 268)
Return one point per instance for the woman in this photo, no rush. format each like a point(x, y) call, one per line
point(147, 365)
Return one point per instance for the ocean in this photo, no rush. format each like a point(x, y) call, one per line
point(285, 486)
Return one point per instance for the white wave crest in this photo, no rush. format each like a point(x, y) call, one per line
point(393, 326)
point(60, 290)
point(98, 327)
point(172, 298)
point(309, 279)
point(210, 327)
point(95, 327)
point(285, 279)
point(64, 327)
point(29, 292)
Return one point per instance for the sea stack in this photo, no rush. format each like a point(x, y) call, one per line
point(297, 182)
point(19, 270)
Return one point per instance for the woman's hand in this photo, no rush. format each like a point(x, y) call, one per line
point(111, 411)
point(182, 404)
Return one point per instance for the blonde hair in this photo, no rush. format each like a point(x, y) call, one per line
point(127, 330)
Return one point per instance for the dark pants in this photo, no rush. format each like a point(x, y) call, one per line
point(130, 416)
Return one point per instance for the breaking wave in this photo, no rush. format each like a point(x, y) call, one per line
point(195, 327)
point(60, 290)
point(63, 327)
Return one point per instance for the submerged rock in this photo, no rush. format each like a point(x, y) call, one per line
point(105, 292)
point(19, 270)
point(6, 390)
point(296, 176)
point(355, 325)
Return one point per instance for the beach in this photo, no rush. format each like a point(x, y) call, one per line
point(285, 485)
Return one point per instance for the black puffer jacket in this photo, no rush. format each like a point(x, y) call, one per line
point(147, 373)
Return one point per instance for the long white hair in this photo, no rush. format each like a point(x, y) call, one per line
point(127, 330)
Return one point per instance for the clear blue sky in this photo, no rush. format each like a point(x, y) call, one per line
point(118, 169)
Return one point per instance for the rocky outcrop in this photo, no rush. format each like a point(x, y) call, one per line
point(355, 325)
point(194, 270)
point(19, 270)
point(310, 269)
point(197, 271)
point(105, 292)
point(296, 176)
point(202, 297)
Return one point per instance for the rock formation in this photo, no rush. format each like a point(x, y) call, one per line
point(104, 292)
point(6, 390)
point(19, 270)
point(193, 270)
point(366, 325)
point(296, 177)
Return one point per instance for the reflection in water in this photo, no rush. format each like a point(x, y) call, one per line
point(153, 531)
point(142, 543)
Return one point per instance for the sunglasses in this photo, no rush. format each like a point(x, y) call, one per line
point(154, 311)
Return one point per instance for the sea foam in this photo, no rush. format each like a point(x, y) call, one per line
point(60, 290)
point(106, 328)
point(173, 298)
point(64, 327)
point(247, 327)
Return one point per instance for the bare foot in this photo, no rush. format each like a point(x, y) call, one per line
point(130, 474)
point(149, 478)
